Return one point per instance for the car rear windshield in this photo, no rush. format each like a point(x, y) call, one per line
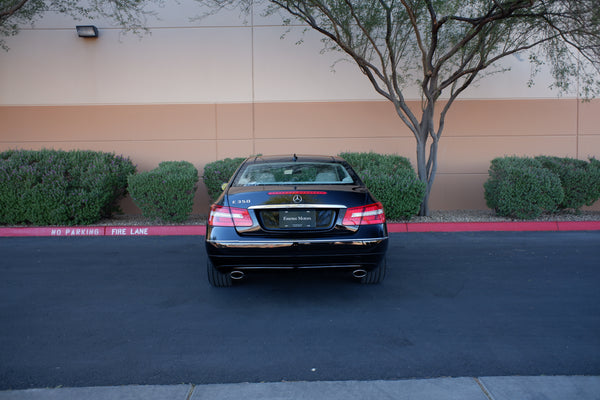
point(298, 173)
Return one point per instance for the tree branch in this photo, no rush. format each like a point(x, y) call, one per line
point(13, 9)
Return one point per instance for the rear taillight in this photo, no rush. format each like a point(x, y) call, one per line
point(365, 215)
point(229, 216)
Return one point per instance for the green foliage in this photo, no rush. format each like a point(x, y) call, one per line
point(219, 172)
point(392, 180)
point(520, 187)
point(371, 160)
point(166, 192)
point(401, 193)
point(53, 187)
point(580, 180)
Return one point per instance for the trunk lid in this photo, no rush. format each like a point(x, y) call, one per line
point(299, 208)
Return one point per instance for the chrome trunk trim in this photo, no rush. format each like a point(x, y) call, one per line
point(252, 243)
point(283, 206)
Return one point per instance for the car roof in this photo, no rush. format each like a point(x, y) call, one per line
point(292, 158)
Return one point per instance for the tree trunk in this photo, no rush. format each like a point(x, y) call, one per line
point(423, 175)
point(427, 163)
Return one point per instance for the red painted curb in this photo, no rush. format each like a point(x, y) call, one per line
point(482, 226)
point(200, 230)
point(397, 228)
point(175, 230)
point(53, 231)
point(62, 231)
point(579, 226)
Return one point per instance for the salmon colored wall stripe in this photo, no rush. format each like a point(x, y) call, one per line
point(475, 133)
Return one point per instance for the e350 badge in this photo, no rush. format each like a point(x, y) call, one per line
point(236, 202)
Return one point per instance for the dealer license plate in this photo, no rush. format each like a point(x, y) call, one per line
point(297, 219)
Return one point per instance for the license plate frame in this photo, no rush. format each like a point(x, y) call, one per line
point(297, 219)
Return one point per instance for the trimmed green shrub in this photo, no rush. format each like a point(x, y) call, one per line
point(579, 179)
point(497, 172)
point(520, 187)
point(54, 187)
point(166, 192)
point(400, 193)
point(392, 180)
point(594, 169)
point(217, 173)
point(376, 161)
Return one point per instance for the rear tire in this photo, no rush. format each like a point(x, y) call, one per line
point(376, 275)
point(216, 277)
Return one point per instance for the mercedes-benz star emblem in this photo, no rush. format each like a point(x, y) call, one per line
point(297, 199)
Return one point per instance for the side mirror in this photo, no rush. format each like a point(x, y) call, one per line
point(223, 186)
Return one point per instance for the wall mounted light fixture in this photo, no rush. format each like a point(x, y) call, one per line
point(87, 31)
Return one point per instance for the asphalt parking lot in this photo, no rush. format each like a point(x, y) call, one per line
point(79, 312)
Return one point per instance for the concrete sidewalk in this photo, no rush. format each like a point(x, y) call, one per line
point(483, 388)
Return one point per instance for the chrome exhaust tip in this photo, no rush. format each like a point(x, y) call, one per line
point(359, 273)
point(236, 275)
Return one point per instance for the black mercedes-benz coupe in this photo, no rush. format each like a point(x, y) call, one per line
point(281, 212)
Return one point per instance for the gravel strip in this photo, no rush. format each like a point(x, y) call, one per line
point(490, 216)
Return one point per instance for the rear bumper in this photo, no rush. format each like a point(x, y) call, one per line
point(245, 253)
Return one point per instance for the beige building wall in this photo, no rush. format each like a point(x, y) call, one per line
point(221, 87)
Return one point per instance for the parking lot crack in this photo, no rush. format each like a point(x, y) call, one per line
point(485, 391)
point(191, 392)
